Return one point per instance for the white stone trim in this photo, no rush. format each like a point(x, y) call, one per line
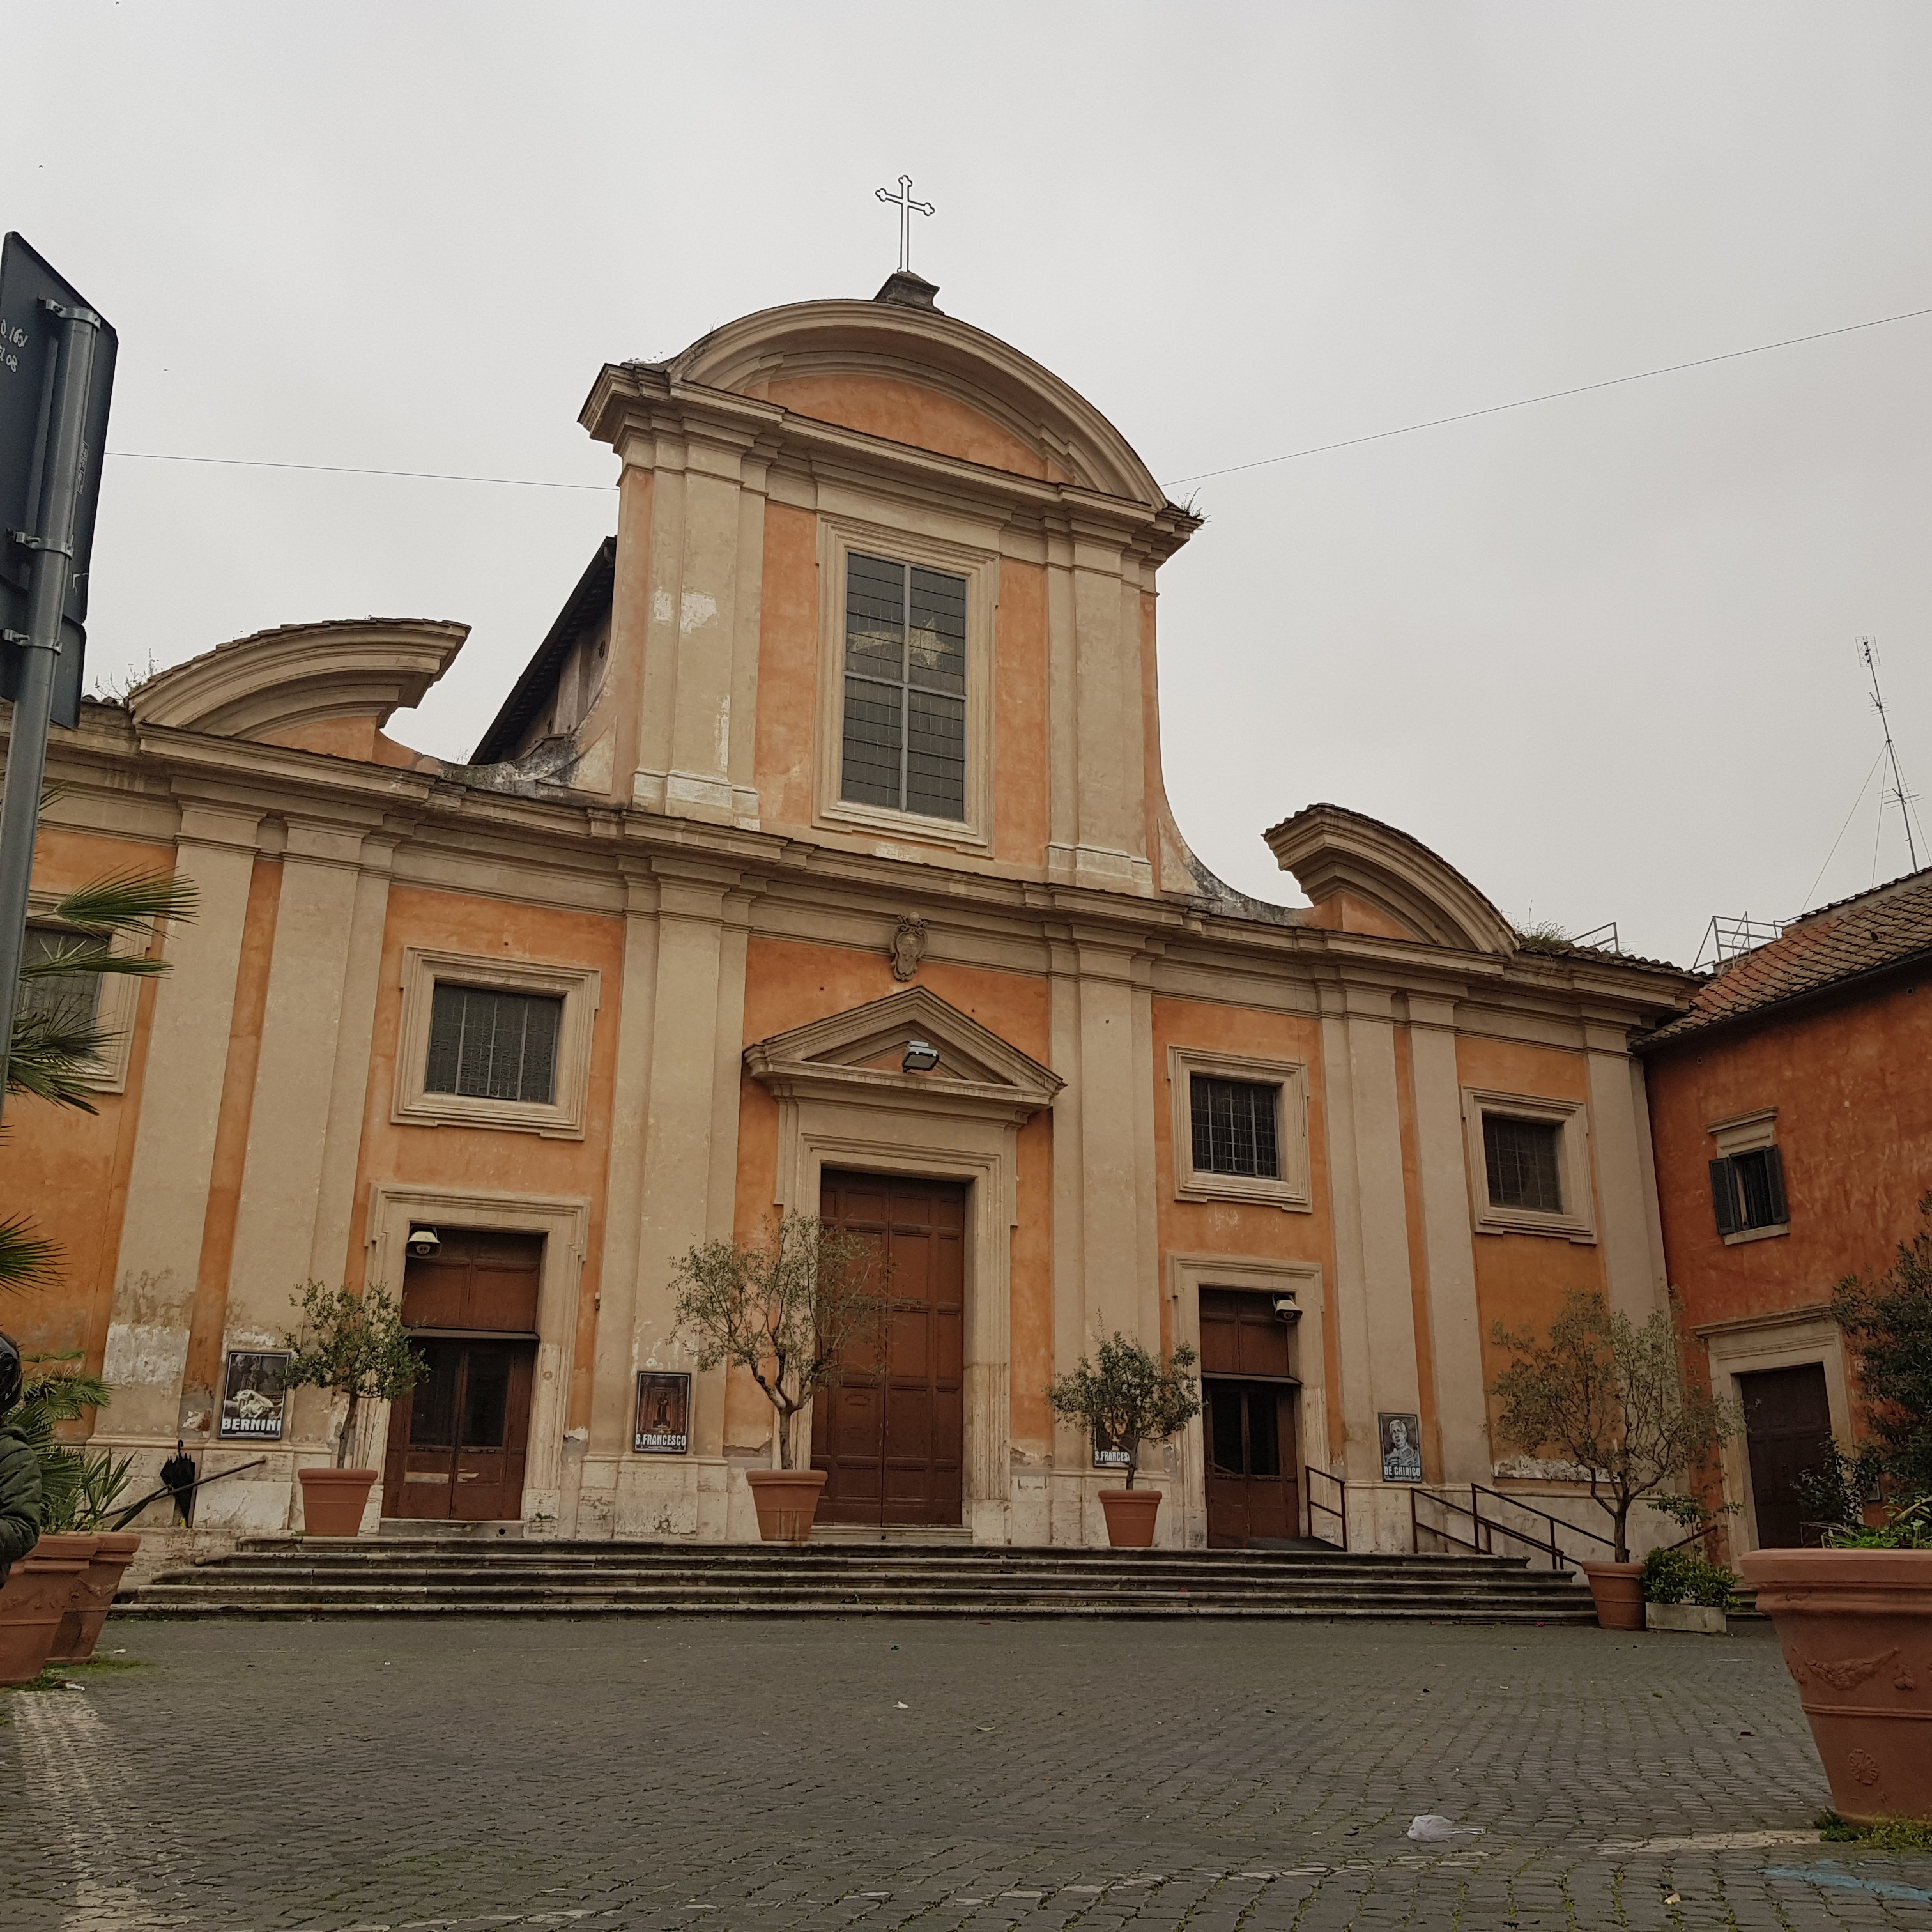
point(1187, 1276)
point(837, 537)
point(1577, 1222)
point(1790, 1339)
point(1745, 1133)
point(564, 1221)
point(578, 987)
point(1292, 1190)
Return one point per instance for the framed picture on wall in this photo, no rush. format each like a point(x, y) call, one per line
point(254, 1399)
point(1402, 1448)
point(664, 1414)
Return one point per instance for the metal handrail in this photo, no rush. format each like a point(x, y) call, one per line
point(1487, 1529)
point(1338, 1510)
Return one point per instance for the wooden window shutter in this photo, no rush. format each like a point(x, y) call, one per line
point(1774, 1181)
point(1724, 1197)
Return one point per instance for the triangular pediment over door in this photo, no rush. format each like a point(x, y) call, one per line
point(858, 1054)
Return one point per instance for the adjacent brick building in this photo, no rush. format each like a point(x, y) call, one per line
point(1791, 1113)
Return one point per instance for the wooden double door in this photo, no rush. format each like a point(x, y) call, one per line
point(1787, 1431)
point(458, 1441)
point(1249, 1393)
point(890, 1435)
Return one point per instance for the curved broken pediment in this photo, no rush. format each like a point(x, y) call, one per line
point(860, 1052)
point(1366, 876)
point(328, 687)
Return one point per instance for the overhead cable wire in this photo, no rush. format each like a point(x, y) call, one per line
point(1198, 476)
point(1806, 906)
point(1554, 395)
point(344, 469)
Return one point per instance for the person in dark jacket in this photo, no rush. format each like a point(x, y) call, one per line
point(19, 1468)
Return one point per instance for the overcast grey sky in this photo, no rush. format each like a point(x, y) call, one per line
point(1600, 653)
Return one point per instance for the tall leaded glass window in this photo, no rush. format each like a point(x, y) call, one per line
point(493, 1046)
point(1234, 1127)
point(904, 740)
point(62, 999)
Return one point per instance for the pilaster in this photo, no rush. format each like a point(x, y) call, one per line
point(1633, 1270)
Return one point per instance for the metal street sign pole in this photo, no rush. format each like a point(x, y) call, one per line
point(53, 544)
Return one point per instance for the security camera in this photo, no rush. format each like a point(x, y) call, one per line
point(1287, 1308)
point(425, 1242)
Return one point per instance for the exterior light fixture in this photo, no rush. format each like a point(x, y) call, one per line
point(1287, 1308)
point(919, 1057)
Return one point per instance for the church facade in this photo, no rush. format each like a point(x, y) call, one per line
point(818, 861)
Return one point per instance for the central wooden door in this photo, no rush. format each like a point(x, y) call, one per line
point(1787, 1430)
point(1249, 1390)
point(890, 1435)
point(458, 1441)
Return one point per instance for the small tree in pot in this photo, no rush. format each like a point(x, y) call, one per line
point(793, 1311)
point(1125, 1397)
point(1611, 1398)
point(354, 1345)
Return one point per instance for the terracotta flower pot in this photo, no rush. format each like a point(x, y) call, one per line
point(36, 1596)
point(1856, 1626)
point(1130, 1515)
point(786, 1500)
point(80, 1628)
point(333, 1500)
point(1617, 1589)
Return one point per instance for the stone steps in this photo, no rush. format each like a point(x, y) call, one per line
point(388, 1575)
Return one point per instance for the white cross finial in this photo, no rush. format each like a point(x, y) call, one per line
point(907, 207)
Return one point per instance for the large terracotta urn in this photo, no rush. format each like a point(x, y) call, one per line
point(1617, 1590)
point(80, 1628)
point(1856, 1627)
point(333, 1500)
point(38, 1593)
point(786, 1500)
point(1130, 1516)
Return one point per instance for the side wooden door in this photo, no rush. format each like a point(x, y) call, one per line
point(458, 1441)
point(890, 1436)
point(1787, 1430)
point(1249, 1391)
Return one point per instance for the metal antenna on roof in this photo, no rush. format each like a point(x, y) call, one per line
point(1898, 793)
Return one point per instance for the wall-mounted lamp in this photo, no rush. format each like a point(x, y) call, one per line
point(919, 1057)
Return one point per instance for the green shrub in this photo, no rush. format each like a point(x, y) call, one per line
point(1681, 1576)
point(1907, 1527)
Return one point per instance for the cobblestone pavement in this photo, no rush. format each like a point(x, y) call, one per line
point(637, 1776)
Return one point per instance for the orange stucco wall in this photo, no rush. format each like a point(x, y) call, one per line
point(911, 413)
point(1020, 715)
point(1237, 1229)
point(484, 1160)
point(66, 1169)
point(1854, 1103)
point(787, 666)
point(1521, 1279)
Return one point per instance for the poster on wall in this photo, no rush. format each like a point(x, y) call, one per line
point(664, 1414)
point(253, 1398)
point(1108, 1454)
point(1402, 1449)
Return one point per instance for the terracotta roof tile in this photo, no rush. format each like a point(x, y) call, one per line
point(1884, 927)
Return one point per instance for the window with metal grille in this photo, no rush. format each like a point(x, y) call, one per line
point(68, 999)
point(1747, 1191)
point(493, 1046)
point(905, 688)
point(1524, 1160)
point(1234, 1122)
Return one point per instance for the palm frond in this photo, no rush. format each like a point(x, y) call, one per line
point(87, 954)
point(128, 902)
point(53, 1055)
point(27, 1260)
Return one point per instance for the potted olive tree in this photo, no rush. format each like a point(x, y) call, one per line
point(1612, 1399)
point(1125, 1398)
point(794, 1310)
point(1855, 1617)
point(353, 1346)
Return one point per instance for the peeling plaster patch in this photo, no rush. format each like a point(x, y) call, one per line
point(698, 610)
point(661, 610)
point(144, 1355)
